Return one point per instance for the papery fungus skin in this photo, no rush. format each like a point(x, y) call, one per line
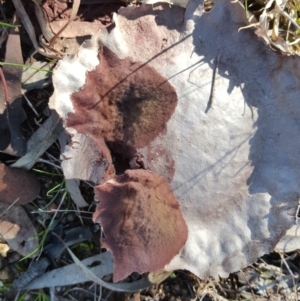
point(142, 222)
point(234, 169)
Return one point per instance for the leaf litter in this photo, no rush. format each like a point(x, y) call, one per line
point(17, 230)
point(11, 111)
point(211, 288)
point(17, 186)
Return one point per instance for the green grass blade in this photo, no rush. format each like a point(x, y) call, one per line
point(24, 66)
point(9, 25)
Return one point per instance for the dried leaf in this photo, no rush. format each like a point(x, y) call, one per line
point(40, 141)
point(73, 188)
point(140, 284)
point(74, 12)
point(17, 229)
point(26, 22)
point(33, 78)
point(73, 274)
point(36, 269)
point(76, 28)
point(273, 10)
point(17, 186)
point(11, 110)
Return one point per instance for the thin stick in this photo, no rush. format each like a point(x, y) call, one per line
point(54, 210)
point(31, 106)
point(253, 296)
point(212, 89)
point(297, 213)
point(48, 162)
point(291, 273)
point(4, 87)
point(14, 202)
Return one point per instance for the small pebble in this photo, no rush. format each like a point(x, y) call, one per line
point(177, 288)
point(52, 207)
point(58, 289)
point(71, 217)
point(4, 274)
point(4, 248)
point(27, 297)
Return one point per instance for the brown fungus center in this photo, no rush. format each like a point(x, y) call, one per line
point(126, 103)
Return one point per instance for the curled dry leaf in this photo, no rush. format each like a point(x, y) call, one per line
point(72, 186)
point(17, 186)
point(144, 87)
point(17, 229)
point(278, 25)
point(271, 35)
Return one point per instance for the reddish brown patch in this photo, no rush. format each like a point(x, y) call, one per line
point(17, 185)
point(142, 221)
point(127, 103)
